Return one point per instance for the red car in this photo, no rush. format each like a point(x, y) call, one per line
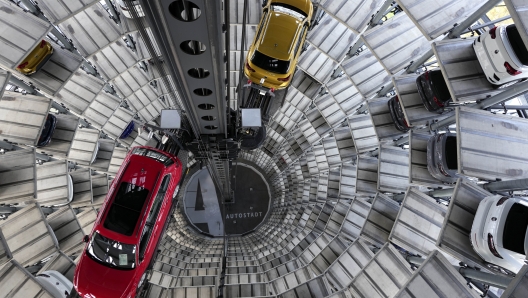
point(131, 222)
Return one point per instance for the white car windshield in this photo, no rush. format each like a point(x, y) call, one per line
point(289, 10)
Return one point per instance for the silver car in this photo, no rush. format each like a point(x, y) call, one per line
point(442, 161)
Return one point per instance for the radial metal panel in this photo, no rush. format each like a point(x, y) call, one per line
point(304, 83)
point(355, 218)
point(58, 10)
point(316, 63)
point(91, 29)
point(345, 143)
point(418, 224)
point(101, 109)
point(82, 188)
point(331, 151)
point(132, 80)
point(53, 183)
point(22, 117)
point(505, 139)
point(380, 220)
point(118, 122)
point(236, 12)
point(4, 80)
point(79, 91)
point(118, 155)
point(67, 230)
point(347, 186)
point(84, 146)
point(21, 33)
point(363, 133)
point(367, 175)
point(331, 37)
point(102, 162)
point(518, 287)
point(57, 72)
point(17, 282)
point(411, 102)
point(61, 263)
point(418, 173)
point(383, 276)
point(436, 277)
point(355, 14)
point(367, 74)
point(393, 173)
point(330, 109)
point(345, 94)
point(462, 71)
point(114, 59)
point(519, 13)
point(17, 176)
point(28, 236)
point(438, 17)
point(454, 238)
point(87, 219)
point(396, 43)
point(383, 124)
point(100, 186)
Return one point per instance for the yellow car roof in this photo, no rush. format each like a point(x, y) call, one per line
point(278, 40)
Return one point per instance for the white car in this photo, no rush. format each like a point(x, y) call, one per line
point(127, 13)
point(499, 229)
point(502, 55)
point(55, 283)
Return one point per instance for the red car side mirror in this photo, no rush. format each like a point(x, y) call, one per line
point(86, 238)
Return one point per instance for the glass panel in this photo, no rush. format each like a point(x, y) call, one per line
point(126, 207)
point(112, 253)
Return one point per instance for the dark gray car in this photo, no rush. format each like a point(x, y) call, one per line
point(433, 90)
point(442, 159)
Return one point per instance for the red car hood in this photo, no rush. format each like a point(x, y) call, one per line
point(93, 280)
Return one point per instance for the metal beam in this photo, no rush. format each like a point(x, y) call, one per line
point(510, 185)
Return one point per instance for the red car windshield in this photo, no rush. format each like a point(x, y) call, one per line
point(126, 208)
point(112, 253)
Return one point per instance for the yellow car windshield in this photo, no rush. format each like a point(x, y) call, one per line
point(289, 10)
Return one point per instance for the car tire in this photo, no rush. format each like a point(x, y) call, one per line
point(499, 269)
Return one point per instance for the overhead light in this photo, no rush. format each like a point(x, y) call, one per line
point(140, 130)
point(150, 135)
point(164, 139)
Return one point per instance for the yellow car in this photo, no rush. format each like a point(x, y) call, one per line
point(273, 55)
point(36, 59)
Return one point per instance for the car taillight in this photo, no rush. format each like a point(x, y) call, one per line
point(438, 102)
point(249, 67)
point(492, 32)
point(426, 75)
point(42, 44)
point(501, 201)
point(284, 79)
point(491, 246)
point(511, 70)
point(23, 65)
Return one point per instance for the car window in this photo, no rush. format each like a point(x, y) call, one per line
point(153, 215)
point(263, 20)
point(440, 86)
point(164, 159)
point(289, 10)
point(517, 43)
point(125, 209)
point(515, 228)
point(112, 253)
point(270, 64)
point(300, 40)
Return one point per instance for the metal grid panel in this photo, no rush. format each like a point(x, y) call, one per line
point(355, 218)
point(331, 151)
point(396, 43)
point(411, 102)
point(82, 188)
point(355, 14)
point(58, 10)
point(345, 94)
point(436, 277)
point(4, 80)
point(22, 117)
point(28, 235)
point(61, 263)
point(519, 14)
point(367, 74)
point(132, 80)
point(367, 175)
point(330, 110)
point(393, 173)
point(79, 91)
point(462, 71)
point(118, 122)
point(114, 59)
point(418, 173)
point(62, 136)
point(101, 108)
point(347, 186)
point(27, 34)
point(505, 139)
point(17, 176)
point(454, 238)
point(53, 183)
point(102, 162)
point(316, 63)
point(20, 283)
point(331, 37)
point(437, 17)
point(383, 124)
point(380, 220)
point(91, 29)
point(418, 224)
point(363, 133)
point(67, 230)
point(345, 143)
point(304, 83)
point(83, 146)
